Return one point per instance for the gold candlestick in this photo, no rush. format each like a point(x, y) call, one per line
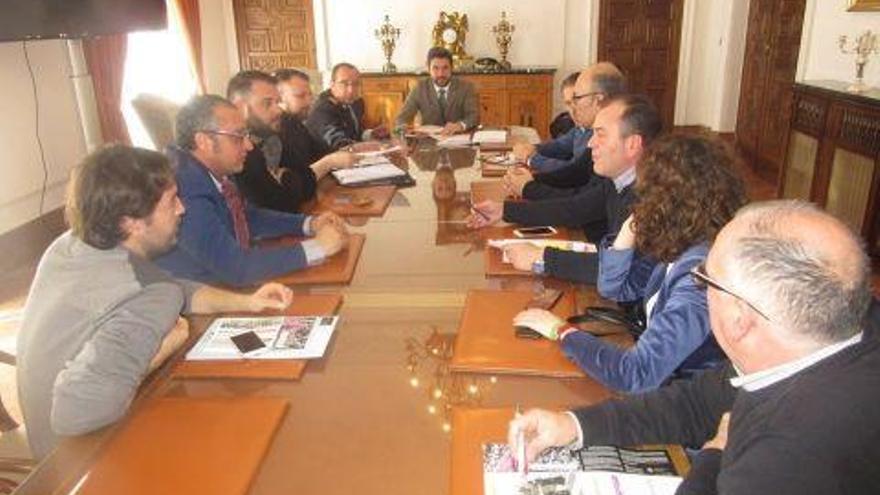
point(863, 46)
point(503, 31)
point(387, 34)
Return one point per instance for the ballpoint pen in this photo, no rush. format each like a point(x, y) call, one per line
point(521, 460)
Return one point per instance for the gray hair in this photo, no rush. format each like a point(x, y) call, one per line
point(798, 286)
point(195, 116)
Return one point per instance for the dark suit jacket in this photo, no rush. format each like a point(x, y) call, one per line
point(299, 149)
point(462, 104)
point(207, 250)
point(598, 208)
point(334, 124)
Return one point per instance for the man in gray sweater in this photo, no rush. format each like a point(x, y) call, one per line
point(100, 315)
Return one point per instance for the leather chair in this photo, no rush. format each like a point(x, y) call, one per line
point(157, 115)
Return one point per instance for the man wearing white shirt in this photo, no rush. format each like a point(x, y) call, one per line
point(796, 412)
point(442, 99)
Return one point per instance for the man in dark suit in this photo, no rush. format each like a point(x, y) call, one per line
point(274, 174)
point(442, 99)
point(214, 241)
point(338, 116)
point(622, 130)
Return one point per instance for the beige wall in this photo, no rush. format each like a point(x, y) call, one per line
point(820, 56)
point(60, 128)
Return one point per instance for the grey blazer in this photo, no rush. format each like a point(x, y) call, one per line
point(462, 104)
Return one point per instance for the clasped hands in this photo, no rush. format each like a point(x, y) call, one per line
point(330, 232)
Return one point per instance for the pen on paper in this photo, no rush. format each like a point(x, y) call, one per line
point(521, 460)
point(478, 212)
point(616, 483)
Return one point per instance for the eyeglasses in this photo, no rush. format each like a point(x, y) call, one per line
point(702, 279)
point(575, 97)
point(238, 137)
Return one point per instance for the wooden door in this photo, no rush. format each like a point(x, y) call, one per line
point(772, 44)
point(642, 38)
point(275, 33)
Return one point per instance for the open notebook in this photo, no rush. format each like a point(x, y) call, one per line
point(380, 168)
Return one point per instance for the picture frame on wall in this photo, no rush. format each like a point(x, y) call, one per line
point(864, 6)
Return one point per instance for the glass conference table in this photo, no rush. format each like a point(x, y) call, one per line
point(364, 419)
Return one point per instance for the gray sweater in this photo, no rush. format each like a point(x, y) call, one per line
point(92, 322)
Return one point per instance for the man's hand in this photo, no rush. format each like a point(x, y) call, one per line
point(522, 151)
point(524, 255)
point(626, 238)
point(541, 430)
point(270, 296)
point(485, 214)
point(452, 128)
point(170, 343)
point(379, 132)
point(515, 180)
point(541, 321)
point(720, 440)
point(325, 219)
point(331, 239)
point(341, 159)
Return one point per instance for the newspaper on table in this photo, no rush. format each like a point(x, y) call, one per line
point(285, 337)
point(576, 246)
point(595, 470)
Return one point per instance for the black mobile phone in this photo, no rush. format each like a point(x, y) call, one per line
point(527, 232)
point(248, 342)
point(522, 332)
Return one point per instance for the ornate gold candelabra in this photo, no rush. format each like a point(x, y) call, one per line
point(503, 31)
point(387, 34)
point(862, 47)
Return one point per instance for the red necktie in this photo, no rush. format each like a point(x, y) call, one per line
point(236, 206)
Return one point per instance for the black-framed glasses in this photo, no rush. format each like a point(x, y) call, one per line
point(239, 136)
point(575, 97)
point(702, 279)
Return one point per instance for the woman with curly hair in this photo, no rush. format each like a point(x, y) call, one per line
point(687, 190)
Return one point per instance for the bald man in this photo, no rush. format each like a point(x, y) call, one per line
point(797, 411)
point(562, 166)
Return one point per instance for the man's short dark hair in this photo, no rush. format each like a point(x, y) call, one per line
point(438, 52)
point(110, 184)
point(570, 80)
point(195, 116)
point(286, 74)
point(240, 85)
point(640, 117)
point(337, 67)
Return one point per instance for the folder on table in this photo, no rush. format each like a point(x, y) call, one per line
point(187, 445)
point(338, 269)
point(494, 257)
point(281, 369)
point(486, 342)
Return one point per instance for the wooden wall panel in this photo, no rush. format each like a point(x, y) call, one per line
point(275, 33)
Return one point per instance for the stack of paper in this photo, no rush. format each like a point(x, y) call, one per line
point(285, 337)
point(454, 141)
point(490, 136)
point(378, 171)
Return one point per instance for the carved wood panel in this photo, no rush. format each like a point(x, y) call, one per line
point(275, 33)
point(765, 106)
point(642, 38)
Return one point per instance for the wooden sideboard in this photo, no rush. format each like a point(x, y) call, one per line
point(510, 98)
point(833, 155)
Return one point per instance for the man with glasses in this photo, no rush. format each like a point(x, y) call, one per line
point(338, 115)
point(623, 129)
point(796, 410)
point(559, 167)
point(269, 179)
point(215, 242)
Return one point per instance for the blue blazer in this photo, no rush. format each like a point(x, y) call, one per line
point(677, 340)
point(566, 150)
point(207, 250)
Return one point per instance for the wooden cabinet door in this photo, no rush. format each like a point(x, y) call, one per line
point(642, 38)
point(274, 34)
point(493, 99)
point(753, 85)
point(383, 99)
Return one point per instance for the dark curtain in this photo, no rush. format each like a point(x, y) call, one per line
point(105, 57)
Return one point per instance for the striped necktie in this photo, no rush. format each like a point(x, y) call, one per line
point(236, 206)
